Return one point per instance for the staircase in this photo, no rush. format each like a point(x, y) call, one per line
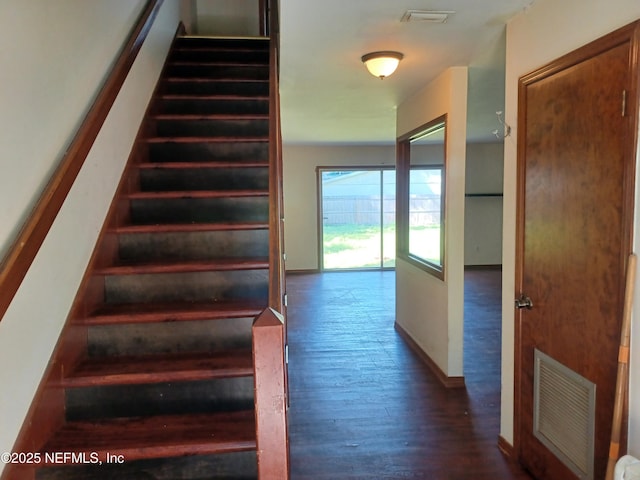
point(165, 389)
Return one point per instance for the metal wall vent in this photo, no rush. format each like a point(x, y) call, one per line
point(429, 16)
point(564, 414)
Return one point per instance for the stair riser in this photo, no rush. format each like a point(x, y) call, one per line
point(239, 72)
point(170, 337)
point(187, 287)
point(209, 152)
point(227, 394)
point(213, 128)
point(202, 179)
point(213, 106)
point(194, 245)
point(238, 466)
point(223, 56)
point(219, 87)
point(207, 210)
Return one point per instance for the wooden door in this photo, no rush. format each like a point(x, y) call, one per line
point(575, 202)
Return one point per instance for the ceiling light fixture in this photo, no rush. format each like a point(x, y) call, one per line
point(382, 64)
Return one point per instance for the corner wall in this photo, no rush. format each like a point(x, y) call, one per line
point(53, 56)
point(545, 31)
point(428, 309)
point(483, 215)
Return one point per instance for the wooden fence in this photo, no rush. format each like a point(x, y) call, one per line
point(365, 210)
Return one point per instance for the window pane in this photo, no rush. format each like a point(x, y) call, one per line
point(425, 188)
point(351, 216)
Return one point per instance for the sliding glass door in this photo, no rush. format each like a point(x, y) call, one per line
point(357, 212)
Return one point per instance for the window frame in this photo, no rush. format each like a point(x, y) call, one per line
point(403, 169)
point(320, 213)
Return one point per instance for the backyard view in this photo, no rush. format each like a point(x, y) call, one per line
point(358, 246)
point(352, 246)
point(358, 220)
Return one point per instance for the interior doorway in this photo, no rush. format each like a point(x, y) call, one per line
point(357, 218)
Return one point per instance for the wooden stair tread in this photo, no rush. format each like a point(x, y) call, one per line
point(169, 312)
point(182, 139)
point(199, 165)
point(212, 116)
point(121, 370)
point(177, 78)
point(187, 227)
point(164, 266)
point(193, 96)
point(221, 39)
point(199, 63)
point(160, 436)
point(214, 48)
point(197, 194)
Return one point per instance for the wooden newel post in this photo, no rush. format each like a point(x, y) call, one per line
point(270, 397)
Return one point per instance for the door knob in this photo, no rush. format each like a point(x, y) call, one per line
point(524, 302)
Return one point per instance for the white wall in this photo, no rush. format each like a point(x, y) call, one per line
point(189, 15)
point(483, 215)
point(544, 32)
point(65, 49)
point(228, 17)
point(52, 56)
point(300, 192)
point(431, 310)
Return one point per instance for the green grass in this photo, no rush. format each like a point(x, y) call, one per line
point(424, 242)
point(358, 246)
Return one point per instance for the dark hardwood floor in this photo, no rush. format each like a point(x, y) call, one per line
point(363, 406)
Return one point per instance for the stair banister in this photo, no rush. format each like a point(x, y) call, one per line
point(17, 261)
point(276, 219)
point(270, 396)
point(269, 329)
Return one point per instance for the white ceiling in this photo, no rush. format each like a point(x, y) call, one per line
point(327, 95)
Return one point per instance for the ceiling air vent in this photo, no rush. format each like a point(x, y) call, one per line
point(429, 16)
